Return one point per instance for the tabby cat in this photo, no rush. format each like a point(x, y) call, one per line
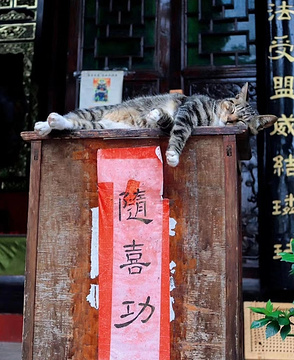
point(174, 113)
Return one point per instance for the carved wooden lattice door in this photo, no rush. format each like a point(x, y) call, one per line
point(166, 44)
point(218, 56)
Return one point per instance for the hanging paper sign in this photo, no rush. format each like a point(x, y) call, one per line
point(99, 88)
point(133, 255)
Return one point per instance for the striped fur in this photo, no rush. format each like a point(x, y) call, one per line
point(175, 113)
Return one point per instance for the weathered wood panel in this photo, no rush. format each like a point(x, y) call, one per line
point(196, 190)
point(203, 196)
point(233, 254)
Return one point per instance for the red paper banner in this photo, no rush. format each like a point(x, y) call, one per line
point(134, 300)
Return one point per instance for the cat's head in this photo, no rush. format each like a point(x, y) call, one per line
point(237, 109)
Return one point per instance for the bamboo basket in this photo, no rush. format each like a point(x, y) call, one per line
point(256, 344)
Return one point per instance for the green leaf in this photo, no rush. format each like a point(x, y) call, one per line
point(285, 331)
point(283, 321)
point(258, 310)
point(287, 257)
point(291, 312)
point(276, 314)
point(272, 329)
point(259, 323)
point(292, 245)
point(292, 270)
point(269, 306)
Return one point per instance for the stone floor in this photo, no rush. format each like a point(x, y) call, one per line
point(10, 351)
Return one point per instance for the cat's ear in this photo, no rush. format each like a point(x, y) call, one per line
point(261, 122)
point(243, 94)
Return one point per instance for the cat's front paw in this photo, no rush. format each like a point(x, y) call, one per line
point(56, 121)
point(42, 128)
point(153, 116)
point(172, 158)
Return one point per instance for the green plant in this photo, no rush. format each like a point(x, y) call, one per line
point(276, 320)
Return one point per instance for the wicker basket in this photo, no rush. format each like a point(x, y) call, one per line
point(256, 344)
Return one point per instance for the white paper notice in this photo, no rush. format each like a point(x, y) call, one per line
point(99, 88)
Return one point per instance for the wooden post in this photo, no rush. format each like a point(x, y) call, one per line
point(205, 246)
point(276, 187)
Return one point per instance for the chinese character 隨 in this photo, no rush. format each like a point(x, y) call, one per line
point(134, 204)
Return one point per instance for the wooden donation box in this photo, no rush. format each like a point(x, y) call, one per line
point(128, 258)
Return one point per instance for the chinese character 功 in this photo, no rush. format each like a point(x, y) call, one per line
point(134, 254)
point(130, 313)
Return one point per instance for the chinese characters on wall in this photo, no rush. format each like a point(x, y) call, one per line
point(280, 149)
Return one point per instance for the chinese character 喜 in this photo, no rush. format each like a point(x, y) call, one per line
point(134, 254)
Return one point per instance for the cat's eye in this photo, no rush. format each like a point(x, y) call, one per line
point(232, 106)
